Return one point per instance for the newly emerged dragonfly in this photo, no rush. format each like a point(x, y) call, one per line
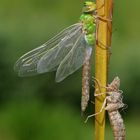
point(65, 53)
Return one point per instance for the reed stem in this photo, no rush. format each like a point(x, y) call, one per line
point(102, 56)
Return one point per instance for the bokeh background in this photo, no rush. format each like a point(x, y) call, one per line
point(37, 108)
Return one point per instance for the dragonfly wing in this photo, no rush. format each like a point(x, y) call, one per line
point(27, 64)
point(74, 59)
point(55, 55)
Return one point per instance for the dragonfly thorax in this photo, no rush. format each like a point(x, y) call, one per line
point(89, 27)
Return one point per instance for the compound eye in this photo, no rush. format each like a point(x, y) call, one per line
point(85, 4)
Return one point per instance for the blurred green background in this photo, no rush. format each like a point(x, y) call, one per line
point(37, 108)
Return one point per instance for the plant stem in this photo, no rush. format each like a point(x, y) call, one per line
point(102, 55)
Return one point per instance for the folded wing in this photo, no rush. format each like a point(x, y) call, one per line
point(51, 60)
point(74, 59)
point(32, 62)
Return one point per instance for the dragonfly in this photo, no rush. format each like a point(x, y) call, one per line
point(65, 53)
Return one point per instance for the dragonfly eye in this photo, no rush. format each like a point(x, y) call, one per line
point(84, 3)
point(89, 7)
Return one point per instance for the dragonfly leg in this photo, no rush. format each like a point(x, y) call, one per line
point(99, 94)
point(103, 106)
point(99, 43)
point(100, 86)
point(108, 20)
point(98, 83)
point(106, 87)
point(101, 16)
point(92, 102)
point(124, 107)
point(103, 19)
point(102, 5)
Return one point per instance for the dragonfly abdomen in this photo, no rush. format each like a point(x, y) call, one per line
point(86, 79)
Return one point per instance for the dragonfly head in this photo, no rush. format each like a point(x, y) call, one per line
point(89, 7)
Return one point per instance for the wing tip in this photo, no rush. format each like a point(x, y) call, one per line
point(58, 78)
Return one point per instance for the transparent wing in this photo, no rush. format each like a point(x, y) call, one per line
point(27, 64)
point(54, 56)
point(74, 59)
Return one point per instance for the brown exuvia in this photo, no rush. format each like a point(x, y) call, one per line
point(112, 103)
